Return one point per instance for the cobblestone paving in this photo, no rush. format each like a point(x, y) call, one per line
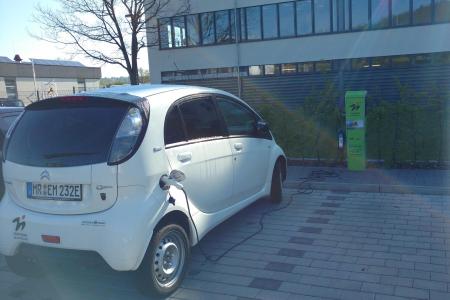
point(325, 245)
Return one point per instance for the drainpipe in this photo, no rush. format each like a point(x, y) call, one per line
point(34, 79)
point(238, 56)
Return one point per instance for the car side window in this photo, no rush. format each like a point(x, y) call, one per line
point(239, 119)
point(173, 127)
point(201, 119)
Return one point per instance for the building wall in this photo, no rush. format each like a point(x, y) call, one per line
point(394, 41)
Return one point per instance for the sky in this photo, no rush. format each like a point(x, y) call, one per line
point(16, 23)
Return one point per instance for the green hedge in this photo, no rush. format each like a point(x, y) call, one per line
point(410, 131)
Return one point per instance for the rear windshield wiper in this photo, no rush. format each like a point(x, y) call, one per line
point(67, 154)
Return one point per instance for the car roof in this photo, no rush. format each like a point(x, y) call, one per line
point(134, 93)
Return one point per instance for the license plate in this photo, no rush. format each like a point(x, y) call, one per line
point(58, 192)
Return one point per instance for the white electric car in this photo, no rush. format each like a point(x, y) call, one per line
point(108, 172)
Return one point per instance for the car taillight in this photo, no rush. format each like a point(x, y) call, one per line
point(126, 137)
point(8, 134)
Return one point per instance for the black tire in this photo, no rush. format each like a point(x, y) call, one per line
point(168, 241)
point(24, 266)
point(276, 189)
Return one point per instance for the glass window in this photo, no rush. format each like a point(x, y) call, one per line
point(360, 14)
point(239, 120)
point(287, 19)
point(422, 11)
point(342, 65)
point(380, 62)
point(165, 33)
point(200, 118)
point(173, 127)
point(304, 17)
point(255, 70)
point(400, 12)
point(322, 16)
point(11, 88)
point(360, 63)
point(193, 30)
point(207, 21)
point(400, 61)
point(243, 71)
point(233, 25)
point(253, 20)
point(422, 59)
point(272, 69)
point(223, 29)
point(81, 84)
point(442, 10)
point(323, 66)
point(441, 58)
point(306, 67)
point(242, 25)
point(68, 134)
point(341, 13)
point(179, 31)
point(380, 14)
point(288, 68)
point(270, 21)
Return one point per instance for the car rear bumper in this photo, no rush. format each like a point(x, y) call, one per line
point(119, 235)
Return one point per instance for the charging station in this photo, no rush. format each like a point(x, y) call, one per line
point(355, 120)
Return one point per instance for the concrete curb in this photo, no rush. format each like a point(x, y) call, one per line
point(372, 188)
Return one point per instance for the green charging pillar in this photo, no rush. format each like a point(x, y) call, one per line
point(355, 113)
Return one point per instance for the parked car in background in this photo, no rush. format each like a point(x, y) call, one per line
point(11, 103)
point(138, 174)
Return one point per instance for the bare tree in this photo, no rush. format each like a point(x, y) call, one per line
point(110, 31)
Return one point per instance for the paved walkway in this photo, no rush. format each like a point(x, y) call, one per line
point(374, 180)
point(325, 245)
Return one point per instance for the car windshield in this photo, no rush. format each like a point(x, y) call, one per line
point(62, 134)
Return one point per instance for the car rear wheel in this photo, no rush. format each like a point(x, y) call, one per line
point(24, 266)
point(165, 262)
point(276, 189)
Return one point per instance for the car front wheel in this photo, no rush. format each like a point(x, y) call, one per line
point(165, 262)
point(276, 189)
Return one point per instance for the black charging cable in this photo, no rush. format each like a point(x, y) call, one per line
point(304, 188)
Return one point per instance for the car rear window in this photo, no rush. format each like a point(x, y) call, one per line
point(66, 133)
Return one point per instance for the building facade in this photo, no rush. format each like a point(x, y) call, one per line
point(51, 78)
point(285, 50)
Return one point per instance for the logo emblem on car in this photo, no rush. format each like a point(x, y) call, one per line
point(20, 223)
point(45, 175)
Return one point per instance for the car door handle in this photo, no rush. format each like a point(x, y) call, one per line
point(238, 146)
point(184, 157)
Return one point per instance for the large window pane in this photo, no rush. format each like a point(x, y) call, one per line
point(287, 19)
point(306, 67)
point(242, 24)
point(179, 31)
point(400, 61)
point(360, 63)
point(253, 19)
point(233, 25)
point(193, 30)
point(207, 21)
point(360, 14)
point(255, 70)
point(422, 11)
point(442, 10)
point(341, 15)
point(165, 33)
point(400, 12)
point(239, 120)
point(223, 27)
point(380, 14)
point(380, 62)
point(304, 17)
point(270, 22)
point(322, 16)
point(271, 69)
point(323, 66)
point(288, 68)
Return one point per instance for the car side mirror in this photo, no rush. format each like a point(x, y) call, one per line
point(262, 127)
